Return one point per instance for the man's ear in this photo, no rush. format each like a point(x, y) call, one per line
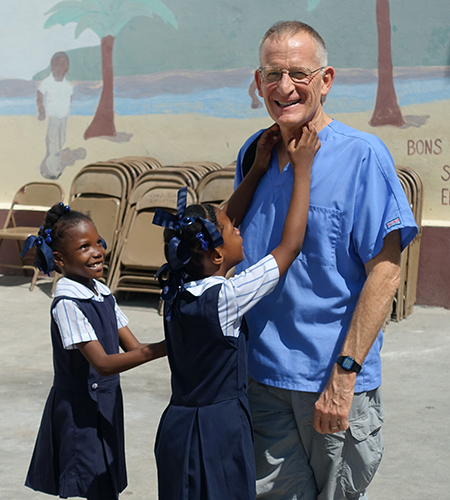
point(258, 83)
point(327, 80)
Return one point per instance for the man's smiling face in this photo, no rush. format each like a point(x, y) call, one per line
point(292, 104)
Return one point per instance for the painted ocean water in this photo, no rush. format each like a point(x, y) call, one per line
point(234, 102)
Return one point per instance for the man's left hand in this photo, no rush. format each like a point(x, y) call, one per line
point(332, 409)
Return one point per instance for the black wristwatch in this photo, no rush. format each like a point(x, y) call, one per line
point(348, 364)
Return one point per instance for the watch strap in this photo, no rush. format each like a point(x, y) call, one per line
point(349, 364)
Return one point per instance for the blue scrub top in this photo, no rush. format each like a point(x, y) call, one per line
point(296, 333)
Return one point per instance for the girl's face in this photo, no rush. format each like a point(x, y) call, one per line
point(231, 249)
point(83, 254)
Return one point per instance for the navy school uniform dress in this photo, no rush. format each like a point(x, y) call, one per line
point(80, 450)
point(204, 445)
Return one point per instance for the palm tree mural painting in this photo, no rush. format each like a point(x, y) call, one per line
point(105, 18)
point(387, 110)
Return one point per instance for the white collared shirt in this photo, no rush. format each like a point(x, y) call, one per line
point(239, 293)
point(73, 325)
point(57, 97)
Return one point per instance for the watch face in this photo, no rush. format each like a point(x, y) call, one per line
point(347, 363)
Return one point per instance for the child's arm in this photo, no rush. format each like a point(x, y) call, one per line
point(40, 105)
point(135, 353)
point(301, 154)
point(239, 201)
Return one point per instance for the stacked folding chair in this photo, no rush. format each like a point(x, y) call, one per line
point(406, 294)
point(138, 164)
point(217, 186)
point(195, 170)
point(139, 251)
point(38, 196)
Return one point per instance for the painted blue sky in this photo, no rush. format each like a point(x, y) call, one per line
point(26, 46)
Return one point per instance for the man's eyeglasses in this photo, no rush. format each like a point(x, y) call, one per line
point(297, 75)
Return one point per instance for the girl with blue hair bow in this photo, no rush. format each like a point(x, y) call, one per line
point(204, 445)
point(79, 450)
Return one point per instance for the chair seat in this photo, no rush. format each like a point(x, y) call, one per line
point(39, 195)
point(15, 233)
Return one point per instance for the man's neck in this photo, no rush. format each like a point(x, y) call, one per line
point(282, 155)
point(286, 134)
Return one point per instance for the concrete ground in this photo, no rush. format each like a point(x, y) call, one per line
point(416, 391)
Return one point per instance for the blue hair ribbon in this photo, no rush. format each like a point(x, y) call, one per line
point(201, 238)
point(43, 258)
point(179, 251)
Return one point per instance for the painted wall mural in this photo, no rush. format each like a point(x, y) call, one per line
point(173, 79)
point(105, 18)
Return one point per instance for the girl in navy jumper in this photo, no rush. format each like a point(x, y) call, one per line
point(79, 450)
point(204, 445)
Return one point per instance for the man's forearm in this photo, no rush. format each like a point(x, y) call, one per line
point(383, 278)
point(332, 409)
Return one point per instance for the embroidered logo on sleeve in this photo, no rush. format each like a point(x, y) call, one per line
point(393, 222)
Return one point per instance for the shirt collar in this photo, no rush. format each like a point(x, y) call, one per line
point(200, 286)
point(327, 130)
point(70, 288)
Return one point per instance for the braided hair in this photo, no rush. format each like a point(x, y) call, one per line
point(190, 234)
point(58, 220)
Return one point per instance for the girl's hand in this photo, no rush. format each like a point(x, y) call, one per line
point(240, 200)
point(303, 147)
point(264, 147)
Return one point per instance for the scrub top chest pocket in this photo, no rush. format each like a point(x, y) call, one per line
point(322, 234)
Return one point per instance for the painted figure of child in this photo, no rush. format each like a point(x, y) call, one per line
point(53, 99)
